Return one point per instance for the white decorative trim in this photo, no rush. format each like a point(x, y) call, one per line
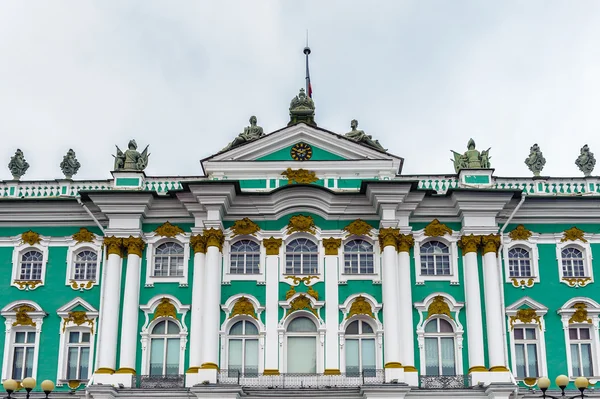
point(153, 240)
point(317, 239)
point(375, 276)
point(586, 250)
point(21, 248)
point(72, 250)
point(529, 245)
point(455, 308)
point(10, 315)
point(229, 241)
point(540, 310)
point(320, 335)
point(451, 242)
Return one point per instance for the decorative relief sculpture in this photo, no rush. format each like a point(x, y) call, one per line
point(520, 233)
point(405, 242)
point(301, 176)
point(522, 283)
point(198, 244)
point(471, 159)
point(165, 309)
point(84, 235)
point(302, 109)
point(244, 227)
point(78, 318)
point(243, 306)
point(134, 245)
point(214, 238)
point(469, 243)
point(586, 161)
point(332, 245)
point(490, 243)
point(360, 137)
point(22, 316)
point(27, 284)
point(81, 285)
point(389, 237)
point(301, 223)
point(535, 161)
point(18, 165)
point(290, 293)
point(439, 306)
point(114, 245)
point(272, 245)
point(70, 165)
point(358, 228)
point(301, 303)
point(360, 306)
point(526, 316)
point(312, 292)
point(168, 230)
point(297, 280)
point(580, 315)
point(249, 134)
point(131, 159)
point(437, 229)
point(577, 281)
point(31, 238)
point(573, 234)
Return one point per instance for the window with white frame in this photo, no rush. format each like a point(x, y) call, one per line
point(168, 260)
point(30, 266)
point(435, 259)
point(360, 348)
point(301, 257)
point(164, 348)
point(85, 265)
point(23, 353)
point(519, 263)
point(243, 348)
point(572, 261)
point(244, 257)
point(580, 347)
point(526, 341)
point(358, 257)
point(301, 336)
point(440, 353)
point(78, 354)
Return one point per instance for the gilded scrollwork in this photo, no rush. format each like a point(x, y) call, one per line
point(244, 226)
point(526, 315)
point(297, 280)
point(31, 238)
point(27, 284)
point(358, 228)
point(84, 235)
point(302, 176)
point(78, 318)
point(439, 306)
point(312, 292)
point(573, 234)
point(360, 305)
point(81, 285)
point(290, 293)
point(243, 306)
point(168, 230)
point(520, 233)
point(301, 302)
point(577, 281)
point(272, 245)
point(437, 229)
point(22, 316)
point(581, 314)
point(332, 245)
point(301, 223)
point(522, 282)
point(165, 309)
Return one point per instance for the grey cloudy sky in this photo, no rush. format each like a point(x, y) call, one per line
point(184, 76)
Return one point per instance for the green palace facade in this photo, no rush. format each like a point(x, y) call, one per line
point(302, 262)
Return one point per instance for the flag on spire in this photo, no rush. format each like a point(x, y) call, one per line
point(308, 85)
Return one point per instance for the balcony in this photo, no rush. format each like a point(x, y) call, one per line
point(158, 381)
point(444, 382)
point(295, 381)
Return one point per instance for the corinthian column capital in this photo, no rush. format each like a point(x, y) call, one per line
point(114, 245)
point(490, 243)
point(134, 245)
point(405, 242)
point(389, 237)
point(198, 244)
point(214, 238)
point(469, 243)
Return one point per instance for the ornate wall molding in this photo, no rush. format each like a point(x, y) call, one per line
point(22, 316)
point(301, 223)
point(439, 306)
point(436, 229)
point(168, 230)
point(526, 316)
point(302, 176)
point(573, 234)
point(31, 238)
point(581, 314)
point(577, 281)
point(297, 280)
point(358, 228)
point(165, 309)
point(243, 306)
point(332, 245)
point(520, 233)
point(272, 245)
point(301, 302)
point(244, 226)
point(27, 284)
point(84, 235)
point(360, 306)
point(79, 318)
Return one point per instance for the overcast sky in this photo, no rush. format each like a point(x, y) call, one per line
point(184, 77)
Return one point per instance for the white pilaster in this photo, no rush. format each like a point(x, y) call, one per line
point(197, 310)
point(406, 336)
point(332, 341)
point(473, 311)
point(273, 249)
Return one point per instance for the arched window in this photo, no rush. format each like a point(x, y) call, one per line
point(519, 262)
point(31, 265)
point(164, 348)
point(245, 257)
point(435, 259)
point(358, 257)
point(243, 347)
point(302, 346)
point(572, 262)
point(85, 265)
point(360, 348)
point(440, 355)
point(168, 260)
point(301, 257)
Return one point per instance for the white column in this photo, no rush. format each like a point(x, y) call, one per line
point(469, 245)
point(108, 329)
point(198, 245)
point(332, 341)
point(405, 308)
point(131, 306)
point(272, 246)
point(493, 303)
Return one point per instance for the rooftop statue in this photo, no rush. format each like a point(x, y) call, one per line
point(69, 165)
point(586, 161)
point(302, 109)
point(471, 159)
point(131, 159)
point(250, 133)
point(18, 165)
point(360, 137)
point(535, 161)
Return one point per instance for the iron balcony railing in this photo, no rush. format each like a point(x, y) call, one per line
point(296, 380)
point(159, 381)
point(445, 381)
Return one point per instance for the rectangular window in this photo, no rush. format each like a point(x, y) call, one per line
point(301, 264)
point(526, 352)
point(244, 263)
point(581, 352)
point(168, 266)
point(23, 352)
point(31, 271)
point(78, 355)
point(355, 263)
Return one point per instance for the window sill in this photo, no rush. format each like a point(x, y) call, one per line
point(181, 280)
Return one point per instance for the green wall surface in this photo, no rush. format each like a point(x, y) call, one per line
point(285, 155)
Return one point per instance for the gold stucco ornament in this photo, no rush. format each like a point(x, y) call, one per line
point(114, 245)
point(580, 315)
point(243, 306)
point(301, 223)
point(290, 293)
point(522, 283)
point(22, 316)
point(297, 280)
point(573, 234)
point(134, 245)
point(30, 237)
point(439, 306)
point(520, 233)
point(168, 230)
point(81, 285)
point(469, 243)
point(214, 238)
point(436, 229)
point(360, 306)
point(301, 176)
point(405, 242)
point(577, 281)
point(526, 315)
point(272, 245)
point(301, 303)
point(244, 226)
point(389, 237)
point(312, 292)
point(78, 318)
point(165, 309)
point(84, 235)
point(198, 244)
point(358, 228)
point(27, 284)
point(332, 245)
point(490, 243)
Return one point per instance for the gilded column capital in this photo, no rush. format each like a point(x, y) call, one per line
point(469, 243)
point(114, 245)
point(490, 243)
point(214, 238)
point(405, 242)
point(198, 243)
point(332, 245)
point(134, 245)
point(389, 237)
point(272, 245)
